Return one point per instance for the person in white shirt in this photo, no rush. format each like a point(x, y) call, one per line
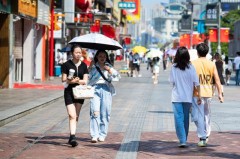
point(236, 64)
point(184, 78)
point(228, 69)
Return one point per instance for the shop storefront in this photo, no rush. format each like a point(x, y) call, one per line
point(30, 22)
point(5, 10)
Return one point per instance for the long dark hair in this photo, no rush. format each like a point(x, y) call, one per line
point(96, 55)
point(226, 59)
point(182, 58)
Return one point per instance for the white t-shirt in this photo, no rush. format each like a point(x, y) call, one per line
point(237, 62)
point(183, 83)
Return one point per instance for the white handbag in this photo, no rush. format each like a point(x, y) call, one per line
point(83, 92)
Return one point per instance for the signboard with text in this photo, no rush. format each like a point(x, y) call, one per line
point(127, 5)
point(185, 23)
point(212, 13)
point(28, 8)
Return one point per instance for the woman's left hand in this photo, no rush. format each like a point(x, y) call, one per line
point(107, 68)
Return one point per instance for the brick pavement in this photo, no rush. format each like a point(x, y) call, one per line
point(145, 124)
point(153, 145)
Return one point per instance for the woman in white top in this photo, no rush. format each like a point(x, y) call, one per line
point(184, 78)
point(228, 69)
point(101, 74)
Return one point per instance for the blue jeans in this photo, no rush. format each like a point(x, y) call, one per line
point(181, 118)
point(237, 78)
point(100, 109)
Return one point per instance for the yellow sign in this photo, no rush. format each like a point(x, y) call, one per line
point(58, 21)
point(28, 7)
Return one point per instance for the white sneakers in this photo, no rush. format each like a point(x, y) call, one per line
point(101, 139)
point(95, 139)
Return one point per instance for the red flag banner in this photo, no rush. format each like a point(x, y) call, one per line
point(181, 41)
point(224, 36)
point(185, 40)
point(196, 39)
point(213, 35)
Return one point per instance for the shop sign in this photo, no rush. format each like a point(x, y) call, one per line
point(127, 5)
point(185, 23)
point(5, 6)
point(43, 13)
point(28, 7)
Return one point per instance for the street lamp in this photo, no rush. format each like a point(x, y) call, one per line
point(219, 27)
point(190, 8)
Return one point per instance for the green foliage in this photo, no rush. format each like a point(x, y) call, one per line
point(224, 48)
point(226, 22)
point(229, 20)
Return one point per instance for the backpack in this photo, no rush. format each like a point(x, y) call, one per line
point(136, 58)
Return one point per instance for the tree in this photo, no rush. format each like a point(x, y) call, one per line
point(227, 21)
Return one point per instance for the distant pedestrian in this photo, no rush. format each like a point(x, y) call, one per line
point(183, 78)
point(156, 69)
point(150, 64)
point(165, 59)
point(206, 71)
point(130, 64)
point(136, 65)
point(100, 75)
point(236, 64)
point(118, 55)
point(86, 59)
point(80, 77)
point(112, 57)
point(228, 69)
point(219, 65)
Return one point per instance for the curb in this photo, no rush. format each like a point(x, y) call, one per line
point(14, 116)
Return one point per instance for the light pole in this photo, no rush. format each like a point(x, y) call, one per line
point(219, 27)
point(190, 8)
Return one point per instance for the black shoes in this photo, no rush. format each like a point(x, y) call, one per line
point(73, 141)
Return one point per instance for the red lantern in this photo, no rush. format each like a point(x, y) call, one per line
point(82, 4)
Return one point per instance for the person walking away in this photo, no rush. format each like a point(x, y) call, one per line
point(59, 58)
point(100, 75)
point(183, 78)
point(165, 58)
point(111, 57)
point(228, 69)
point(236, 65)
point(130, 66)
point(219, 65)
point(118, 55)
point(80, 77)
point(150, 64)
point(206, 71)
point(156, 69)
point(136, 65)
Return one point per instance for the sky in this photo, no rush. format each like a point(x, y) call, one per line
point(149, 3)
